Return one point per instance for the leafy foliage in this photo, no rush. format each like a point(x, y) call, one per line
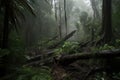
point(16, 71)
point(15, 8)
point(104, 47)
point(100, 76)
point(116, 76)
point(68, 48)
point(16, 41)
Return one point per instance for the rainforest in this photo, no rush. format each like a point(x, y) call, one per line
point(59, 40)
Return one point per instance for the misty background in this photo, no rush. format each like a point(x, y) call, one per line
point(50, 16)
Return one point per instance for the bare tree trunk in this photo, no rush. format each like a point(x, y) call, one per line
point(92, 34)
point(6, 27)
point(65, 15)
point(62, 40)
point(96, 13)
point(55, 6)
point(95, 16)
point(56, 17)
point(5, 36)
point(51, 2)
point(106, 25)
point(60, 32)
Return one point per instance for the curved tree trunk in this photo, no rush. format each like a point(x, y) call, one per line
point(96, 13)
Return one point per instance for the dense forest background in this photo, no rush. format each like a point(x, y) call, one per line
point(59, 40)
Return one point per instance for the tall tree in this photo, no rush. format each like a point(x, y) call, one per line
point(96, 16)
point(95, 10)
point(65, 15)
point(55, 8)
point(106, 25)
point(60, 22)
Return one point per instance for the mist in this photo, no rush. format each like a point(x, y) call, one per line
point(51, 15)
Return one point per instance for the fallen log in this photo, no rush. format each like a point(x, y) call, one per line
point(51, 39)
point(46, 62)
point(68, 59)
point(61, 41)
point(39, 57)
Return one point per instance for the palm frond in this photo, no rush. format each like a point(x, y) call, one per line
point(16, 12)
point(19, 13)
point(25, 4)
point(12, 19)
point(17, 24)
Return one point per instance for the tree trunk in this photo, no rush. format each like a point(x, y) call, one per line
point(60, 32)
point(62, 40)
point(106, 25)
point(65, 15)
point(96, 13)
point(107, 54)
point(55, 9)
point(51, 2)
point(6, 28)
point(68, 59)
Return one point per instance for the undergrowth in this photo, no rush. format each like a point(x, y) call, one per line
point(68, 48)
point(34, 74)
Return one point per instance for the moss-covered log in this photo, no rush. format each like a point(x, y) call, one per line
point(67, 59)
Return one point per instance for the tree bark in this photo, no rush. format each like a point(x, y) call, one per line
point(55, 10)
point(6, 27)
point(68, 59)
point(65, 16)
point(62, 40)
point(60, 32)
point(96, 13)
point(106, 24)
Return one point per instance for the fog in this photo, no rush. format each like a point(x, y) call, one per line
point(50, 17)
